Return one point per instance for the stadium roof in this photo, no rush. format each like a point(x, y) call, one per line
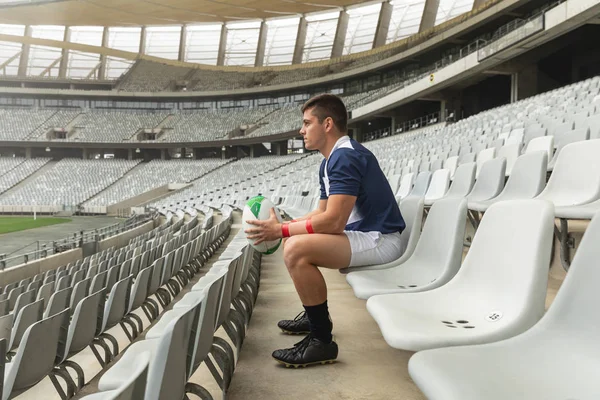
point(209, 32)
point(154, 12)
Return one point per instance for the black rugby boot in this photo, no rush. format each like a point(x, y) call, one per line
point(309, 351)
point(297, 326)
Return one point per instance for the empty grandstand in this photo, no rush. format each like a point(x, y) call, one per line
point(158, 122)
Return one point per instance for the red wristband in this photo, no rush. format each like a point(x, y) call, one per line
point(285, 230)
point(309, 227)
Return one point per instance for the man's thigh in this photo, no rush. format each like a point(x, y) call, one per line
point(328, 251)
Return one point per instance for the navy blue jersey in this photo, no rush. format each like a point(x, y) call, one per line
point(353, 170)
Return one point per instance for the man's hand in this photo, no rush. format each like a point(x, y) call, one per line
point(266, 230)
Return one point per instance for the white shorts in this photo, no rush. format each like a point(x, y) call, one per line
point(372, 248)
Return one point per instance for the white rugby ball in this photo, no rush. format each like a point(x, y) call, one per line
point(259, 207)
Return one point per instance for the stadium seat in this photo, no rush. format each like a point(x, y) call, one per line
point(438, 187)
point(412, 212)
point(511, 249)
point(575, 180)
point(434, 262)
point(544, 143)
point(421, 184)
point(527, 181)
point(556, 359)
point(134, 388)
point(36, 355)
point(490, 182)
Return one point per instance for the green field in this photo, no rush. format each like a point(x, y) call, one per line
point(15, 224)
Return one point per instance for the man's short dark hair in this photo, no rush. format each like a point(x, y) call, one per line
point(328, 105)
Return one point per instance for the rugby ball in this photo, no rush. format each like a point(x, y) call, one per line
point(259, 208)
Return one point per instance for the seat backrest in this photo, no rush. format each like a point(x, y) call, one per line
point(511, 249)
point(511, 153)
point(440, 181)
point(421, 184)
point(116, 304)
point(135, 387)
point(576, 176)
point(573, 311)
point(573, 136)
point(441, 242)
point(80, 290)
point(36, 355)
point(529, 176)
point(491, 180)
point(545, 143)
point(98, 282)
point(36, 284)
point(82, 328)
point(4, 307)
point(63, 283)
point(212, 290)
point(112, 277)
point(463, 181)
point(28, 315)
point(168, 370)
point(155, 277)
point(482, 157)
point(225, 303)
point(139, 289)
point(451, 163)
point(58, 301)
point(24, 299)
point(406, 184)
point(411, 209)
point(45, 292)
point(14, 294)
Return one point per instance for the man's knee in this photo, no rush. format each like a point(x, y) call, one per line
point(293, 251)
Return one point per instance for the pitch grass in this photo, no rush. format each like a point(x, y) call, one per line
point(15, 224)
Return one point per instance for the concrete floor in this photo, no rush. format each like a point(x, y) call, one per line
point(367, 367)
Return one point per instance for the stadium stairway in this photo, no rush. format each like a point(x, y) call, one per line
point(366, 368)
point(46, 167)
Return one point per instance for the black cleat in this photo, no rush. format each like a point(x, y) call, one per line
point(296, 326)
point(309, 351)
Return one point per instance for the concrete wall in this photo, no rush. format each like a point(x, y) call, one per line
point(22, 271)
point(139, 199)
point(122, 239)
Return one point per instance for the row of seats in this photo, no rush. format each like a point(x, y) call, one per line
point(431, 298)
point(20, 172)
point(185, 336)
point(69, 182)
point(49, 318)
point(148, 176)
point(238, 180)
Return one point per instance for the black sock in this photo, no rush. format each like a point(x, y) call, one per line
point(320, 324)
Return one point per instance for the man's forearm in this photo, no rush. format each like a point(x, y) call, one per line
point(310, 214)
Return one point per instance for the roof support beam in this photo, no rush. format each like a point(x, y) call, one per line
point(300, 41)
point(340, 35)
point(429, 15)
point(383, 24)
point(25, 53)
point(478, 3)
point(262, 44)
point(143, 36)
point(182, 43)
point(102, 66)
point(64, 59)
point(222, 45)
point(93, 71)
point(49, 67)
point(5, 63)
